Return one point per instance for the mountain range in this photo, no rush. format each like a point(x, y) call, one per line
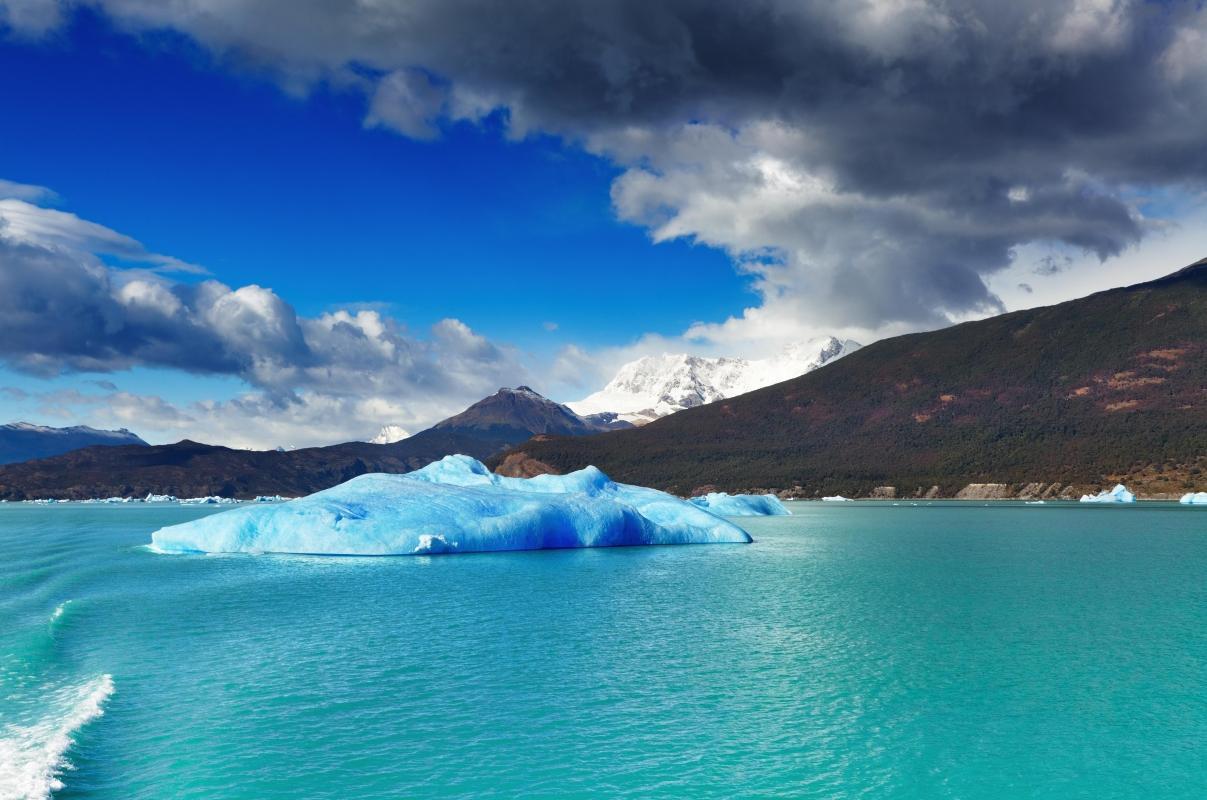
point(21, 441)
point(655, 386)
point(1047, 402)
point(192, 469)
point(1111, 387)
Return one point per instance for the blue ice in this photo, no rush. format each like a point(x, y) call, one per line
point(741, 505)
point(1119, 494)
point(455, 505)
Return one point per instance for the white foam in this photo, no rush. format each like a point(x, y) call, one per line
point(59, 609)
point(34, 757)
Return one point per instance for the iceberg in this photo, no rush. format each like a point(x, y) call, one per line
point(455, 505)
point(836, 498)
point(1194, 499)
point(741, 505)
point(1119, 494)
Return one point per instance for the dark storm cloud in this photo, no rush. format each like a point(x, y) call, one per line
point(940, 135)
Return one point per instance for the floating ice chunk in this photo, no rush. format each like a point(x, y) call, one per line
point(836, 498)
point(212, 500)
point(160, 498)
point(1119, 494)
point(269, 498)
point(1194, 499)
point(741, 505)
point(455, 505)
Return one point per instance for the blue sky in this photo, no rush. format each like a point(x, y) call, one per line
point(397, 209)
point(223, 169)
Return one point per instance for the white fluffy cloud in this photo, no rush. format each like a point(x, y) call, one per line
point(313, 380)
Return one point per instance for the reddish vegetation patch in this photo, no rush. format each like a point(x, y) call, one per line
point(1167, 354)
point(1122, 405)
point(921, 417)
point(522, 465)
point(1129, 380)
point(947, 398)
point(1080, 391)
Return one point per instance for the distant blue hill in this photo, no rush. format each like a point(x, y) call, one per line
point(21, 441)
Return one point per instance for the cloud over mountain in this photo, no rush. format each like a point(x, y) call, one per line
point(64, 309)
point(868, 163)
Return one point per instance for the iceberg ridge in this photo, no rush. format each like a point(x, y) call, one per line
point(741, 505)
point(455, 505)
point(1194, 499)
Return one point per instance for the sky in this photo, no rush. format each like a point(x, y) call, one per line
point(288, 223)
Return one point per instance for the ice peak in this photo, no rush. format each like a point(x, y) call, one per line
point(390, 434)
point(655, 386)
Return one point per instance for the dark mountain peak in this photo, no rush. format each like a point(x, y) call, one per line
point(519, 409)
point(1195, 273)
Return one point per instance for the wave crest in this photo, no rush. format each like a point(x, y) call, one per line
point(33, 757)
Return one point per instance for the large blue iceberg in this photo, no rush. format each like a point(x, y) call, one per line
point(741, 505)
point(455, 505)
point(1194, 499)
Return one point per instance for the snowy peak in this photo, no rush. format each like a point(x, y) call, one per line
point(122, 434)
point(655, 386)
point(22, 441)
point(390, 434)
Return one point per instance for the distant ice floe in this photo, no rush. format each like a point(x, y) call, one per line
point(741, 505)
point(836, 498)
point(455, 505)
point(1119, 494)
point(212, 500)
point(1194, 499)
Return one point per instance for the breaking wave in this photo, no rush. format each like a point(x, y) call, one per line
point(34, 757)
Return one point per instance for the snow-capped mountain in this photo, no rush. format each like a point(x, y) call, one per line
point(390, 434)
point(22, 441)
point(654, 386)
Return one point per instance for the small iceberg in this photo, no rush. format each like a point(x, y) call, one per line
point(1194, 499)
point(1119, 494)
point(455, 505)
point(836, 498)
point(741, 505)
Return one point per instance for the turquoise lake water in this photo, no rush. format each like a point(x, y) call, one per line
point(854, 650)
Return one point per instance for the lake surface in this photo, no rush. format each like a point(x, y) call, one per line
point(866, 650)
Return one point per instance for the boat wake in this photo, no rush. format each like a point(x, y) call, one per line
point(33, 757)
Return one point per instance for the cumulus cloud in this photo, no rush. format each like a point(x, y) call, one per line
point(870, 164)
point(314, 380)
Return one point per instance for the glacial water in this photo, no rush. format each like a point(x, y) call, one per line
point(854, 650)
